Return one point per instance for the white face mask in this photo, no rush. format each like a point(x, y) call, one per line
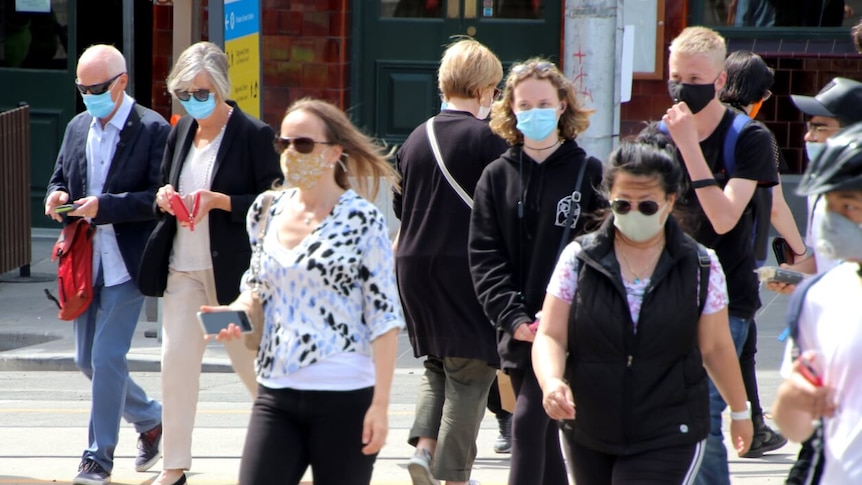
point(813, 148)
point(639, 227)
point(484, 111)
point(840, 238)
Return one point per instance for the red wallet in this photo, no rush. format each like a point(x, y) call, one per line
point(180, 210)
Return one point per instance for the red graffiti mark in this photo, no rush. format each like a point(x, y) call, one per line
point(579, 55)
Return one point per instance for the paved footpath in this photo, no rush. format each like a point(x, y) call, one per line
point(44, 401)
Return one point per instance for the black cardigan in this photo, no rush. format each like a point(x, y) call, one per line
point(246, 165)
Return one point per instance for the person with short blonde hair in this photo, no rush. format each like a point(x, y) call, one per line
point(528, 203)
point(717, 207)
point(444, 319)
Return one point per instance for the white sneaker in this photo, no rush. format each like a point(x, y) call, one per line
point(419, 467)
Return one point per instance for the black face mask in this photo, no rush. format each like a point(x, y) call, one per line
point(696, 96)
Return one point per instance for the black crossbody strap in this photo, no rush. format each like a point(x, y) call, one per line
point(567, 230)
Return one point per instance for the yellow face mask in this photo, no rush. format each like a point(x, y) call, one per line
point(755, 108)
point(303, 170)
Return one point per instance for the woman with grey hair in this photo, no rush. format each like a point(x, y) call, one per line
point(217, 159)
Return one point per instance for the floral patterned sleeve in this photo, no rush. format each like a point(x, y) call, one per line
point(564, 280)
point(716, 296)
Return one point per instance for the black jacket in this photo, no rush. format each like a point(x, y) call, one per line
point(246, 165)
point(130, 187)
point(519, 212)
point(444, 318)
point(645, 390)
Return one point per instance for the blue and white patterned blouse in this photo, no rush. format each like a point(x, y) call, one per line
point(334, 292)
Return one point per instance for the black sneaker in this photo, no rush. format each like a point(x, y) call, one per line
point(765, 440)
point(91, 473)
point(503, 443)
point(149, 449)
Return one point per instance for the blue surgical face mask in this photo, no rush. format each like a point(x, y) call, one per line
point(99, 105)
point(200, 110)
point(812, 149)
point(537, 123)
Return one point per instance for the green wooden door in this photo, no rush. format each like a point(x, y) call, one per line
point(399, 44)
point(36, 68)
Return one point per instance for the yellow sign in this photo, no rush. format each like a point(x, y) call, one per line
point(243, 54)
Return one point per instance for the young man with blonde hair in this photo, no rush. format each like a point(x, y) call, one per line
point(716, 209)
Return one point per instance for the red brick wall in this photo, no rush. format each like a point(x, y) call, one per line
point(304, 52)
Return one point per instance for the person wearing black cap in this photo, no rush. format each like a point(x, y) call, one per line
point(823, 382)
point(837, 105)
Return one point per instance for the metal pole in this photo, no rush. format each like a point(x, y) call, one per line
point(216, 22)
point(129, 43)
point(592, 53)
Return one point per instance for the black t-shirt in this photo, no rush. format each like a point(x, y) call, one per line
point(755, 160)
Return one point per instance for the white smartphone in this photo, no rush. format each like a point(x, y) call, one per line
point(213, 322)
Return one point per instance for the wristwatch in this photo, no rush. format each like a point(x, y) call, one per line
point(742, 415)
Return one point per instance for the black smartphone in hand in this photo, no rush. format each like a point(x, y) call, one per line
point(213, 322)
point(782, 251)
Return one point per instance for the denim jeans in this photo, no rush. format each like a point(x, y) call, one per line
point(713, 469)
point(103, 335)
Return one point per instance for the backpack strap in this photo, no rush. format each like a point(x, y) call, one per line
point(740, 121)
point(705, 263)
point(794, 309)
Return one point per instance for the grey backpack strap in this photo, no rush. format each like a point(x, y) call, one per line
point(432, 139)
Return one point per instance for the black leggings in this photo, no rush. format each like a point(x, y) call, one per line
point(290, 430)
point(749, 376)
point(664, 466)
point(536, 455)
point(494, 404)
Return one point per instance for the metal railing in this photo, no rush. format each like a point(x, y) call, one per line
point(15, 250)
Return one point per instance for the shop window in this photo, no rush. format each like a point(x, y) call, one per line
point(782, 14)
point(486, 9)
point(34, 34)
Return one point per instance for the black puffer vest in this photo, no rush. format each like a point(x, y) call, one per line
point(644, 390)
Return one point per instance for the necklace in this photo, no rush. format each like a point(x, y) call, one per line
point(545, 148)
point(193, 180)
point(637, 274)
point(307, 219)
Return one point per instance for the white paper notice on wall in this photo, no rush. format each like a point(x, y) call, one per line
point(627, 64)
point(34, 6)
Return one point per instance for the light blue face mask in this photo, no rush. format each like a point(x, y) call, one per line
point(200, 110)
point(537, 123)
point(99, 105)
point(812, 149)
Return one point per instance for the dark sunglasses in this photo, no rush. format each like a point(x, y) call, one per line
point(645, 207)
point(200, 95)
point(301, 144)
point(540, 68)
point(100, 88)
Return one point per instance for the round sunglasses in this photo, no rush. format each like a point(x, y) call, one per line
point(302, 144)
point(199, 95)
point(99, 88)
point(645, 207)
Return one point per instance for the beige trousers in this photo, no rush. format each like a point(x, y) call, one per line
point(183, 348)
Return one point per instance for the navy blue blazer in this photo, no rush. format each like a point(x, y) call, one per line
point(130, 187)
point(246, 164)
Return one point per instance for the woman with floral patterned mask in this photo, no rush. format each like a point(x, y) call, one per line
point(326, 279)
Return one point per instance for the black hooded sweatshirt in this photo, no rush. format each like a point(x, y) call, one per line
point(516, 229)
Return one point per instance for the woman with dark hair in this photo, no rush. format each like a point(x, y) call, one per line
point(748, 82)
point(629, 322)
